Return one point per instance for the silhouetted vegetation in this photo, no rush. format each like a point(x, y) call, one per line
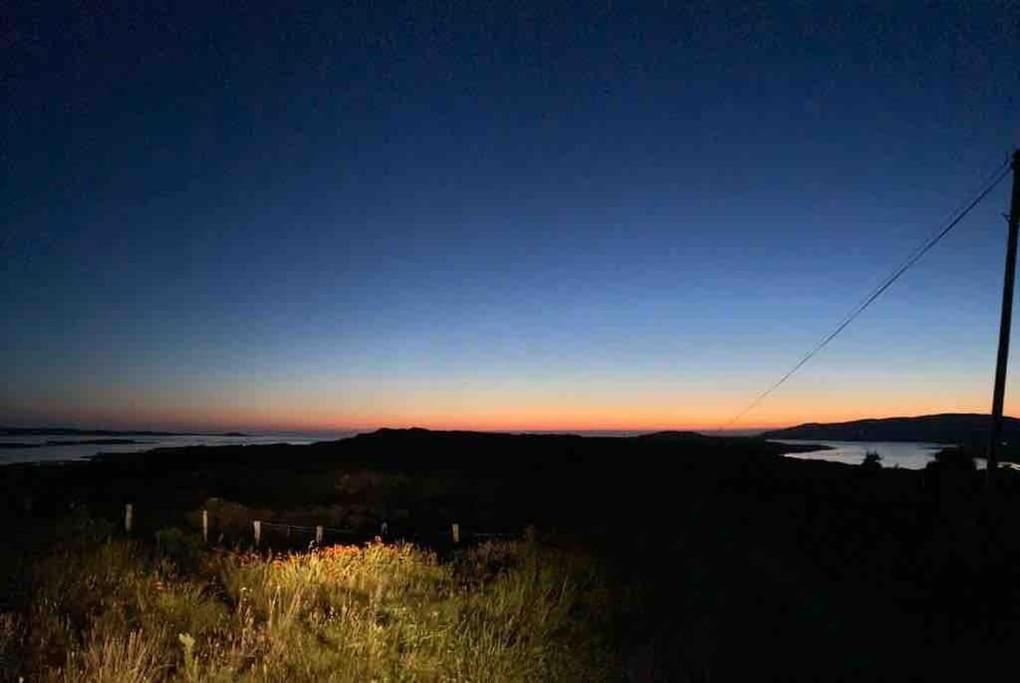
point(872, 461)
point(961, 459)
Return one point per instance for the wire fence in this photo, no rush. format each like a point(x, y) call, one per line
point(268, 533)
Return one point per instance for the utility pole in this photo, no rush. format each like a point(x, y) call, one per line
point(1004, 324)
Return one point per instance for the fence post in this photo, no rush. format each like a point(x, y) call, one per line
point(318, 535)
point(456, 532)
point(257, 526)
point(129, 510)
point(205, 526)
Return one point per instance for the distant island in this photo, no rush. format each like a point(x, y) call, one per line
point(965, 429)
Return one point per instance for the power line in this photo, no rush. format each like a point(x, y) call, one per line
point(915, 256)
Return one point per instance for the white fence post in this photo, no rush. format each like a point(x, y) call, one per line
point(129, 510)
point(257, 526)
point(205, 526)
point(318, 535)
point(456, 532)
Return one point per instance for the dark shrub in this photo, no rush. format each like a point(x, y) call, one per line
point(955, 459)
point(872, 461)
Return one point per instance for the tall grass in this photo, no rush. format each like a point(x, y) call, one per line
point(111, 610)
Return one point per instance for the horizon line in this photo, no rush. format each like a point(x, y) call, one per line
point(257, 431)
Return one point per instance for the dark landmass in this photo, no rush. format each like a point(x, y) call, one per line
point(698, 439)
point(79, 442)
point(738, 563)
point(966, 429)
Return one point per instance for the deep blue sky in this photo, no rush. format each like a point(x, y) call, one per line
point(498, 215)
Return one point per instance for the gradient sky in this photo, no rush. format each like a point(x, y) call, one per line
point(498, 216)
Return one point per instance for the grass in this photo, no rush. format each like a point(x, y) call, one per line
point(107, 609)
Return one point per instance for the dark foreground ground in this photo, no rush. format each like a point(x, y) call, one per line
point(736, 563)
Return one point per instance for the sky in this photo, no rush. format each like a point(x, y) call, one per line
point(498, 215)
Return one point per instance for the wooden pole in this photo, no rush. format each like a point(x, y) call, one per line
point(129, 510)
point(318, 535)
point(455, 530)
point(257, 527)
point(205, 526)
point(1005, 322)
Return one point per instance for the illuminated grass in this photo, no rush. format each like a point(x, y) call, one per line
point(110, 611)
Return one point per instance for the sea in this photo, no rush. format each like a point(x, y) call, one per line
point(40, 448)
point(907, 455)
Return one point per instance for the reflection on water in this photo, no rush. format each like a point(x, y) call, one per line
point(47, 453)
point(908, 455)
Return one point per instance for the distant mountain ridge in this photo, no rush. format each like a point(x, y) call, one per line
point(968, 429)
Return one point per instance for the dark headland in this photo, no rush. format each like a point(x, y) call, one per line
point(965, 429)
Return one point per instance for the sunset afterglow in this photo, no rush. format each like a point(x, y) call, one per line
point(633, 238)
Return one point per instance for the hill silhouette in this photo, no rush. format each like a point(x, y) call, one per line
point(967, 429)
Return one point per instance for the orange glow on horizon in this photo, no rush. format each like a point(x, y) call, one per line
point(490, 412)
point(514, 423)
